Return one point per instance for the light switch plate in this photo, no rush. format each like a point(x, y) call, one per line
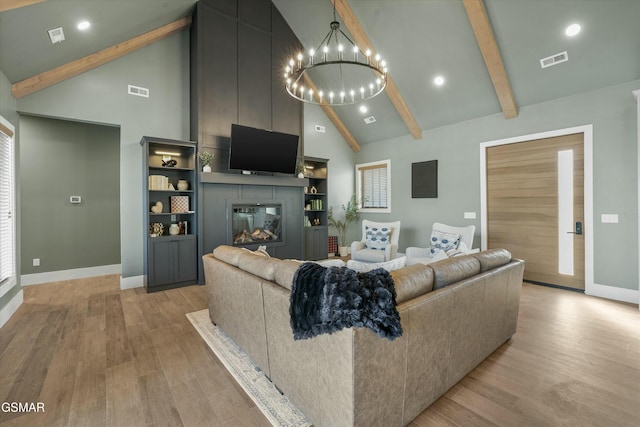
point(469, 215)
point(609, 218)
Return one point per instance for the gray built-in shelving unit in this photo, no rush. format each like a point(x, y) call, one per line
point(316, 231)
point(170, 260)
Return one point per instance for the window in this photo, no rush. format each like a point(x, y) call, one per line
point(373, 186)
point(7, 222)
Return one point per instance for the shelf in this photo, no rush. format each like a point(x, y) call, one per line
point(315, 210)
point(171, 213)
point(315, 194)
point(167, 168)
point(170, 191)
point(236, 178)
point(173, 237)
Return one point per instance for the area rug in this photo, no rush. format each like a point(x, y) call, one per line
point(274, 405)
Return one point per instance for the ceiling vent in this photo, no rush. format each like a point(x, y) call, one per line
point(138, 91)
point(369, 120)
point(56, 35)
point(554, 59)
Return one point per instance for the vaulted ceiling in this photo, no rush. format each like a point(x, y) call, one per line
point(487, 51)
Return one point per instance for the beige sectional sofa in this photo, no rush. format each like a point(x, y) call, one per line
point(454, 314)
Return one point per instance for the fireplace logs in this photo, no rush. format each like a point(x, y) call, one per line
point(258, 235)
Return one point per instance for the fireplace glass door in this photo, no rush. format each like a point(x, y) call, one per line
point(256, 223)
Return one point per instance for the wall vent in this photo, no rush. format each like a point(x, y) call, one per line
point(320, 128)
point(138, 91)
point(554, 59)
point(56, 35)
point(369, 120)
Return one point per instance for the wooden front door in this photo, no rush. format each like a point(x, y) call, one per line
point(535, 199)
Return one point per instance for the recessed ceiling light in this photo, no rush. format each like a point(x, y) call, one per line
point(83, 25)
point(363, 109)
point(572, 30)
point(438, 81)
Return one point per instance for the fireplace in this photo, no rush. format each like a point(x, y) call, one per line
point(256, 223)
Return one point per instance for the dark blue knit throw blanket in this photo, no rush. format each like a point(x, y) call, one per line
point(326, 300)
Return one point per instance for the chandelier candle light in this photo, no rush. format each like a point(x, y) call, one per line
point(338, 53)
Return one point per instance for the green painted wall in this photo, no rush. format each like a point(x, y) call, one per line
point(59, 159)
point(100, 96)
point(612, 111)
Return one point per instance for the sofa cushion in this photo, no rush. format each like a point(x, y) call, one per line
point(452, 270)
point(262, 251)
point(258, 265)
point(412, 281)
point(363, 267)
point(492, 258)
point(377, 238)
point(369, 255)
point(285, 271)
point(228, 254)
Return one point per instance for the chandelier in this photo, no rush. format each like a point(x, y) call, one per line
point(338, 70)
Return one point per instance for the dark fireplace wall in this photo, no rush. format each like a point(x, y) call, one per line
point(238, 51)
point(215, 210)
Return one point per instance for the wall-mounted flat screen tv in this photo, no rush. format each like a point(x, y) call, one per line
point(259, 150)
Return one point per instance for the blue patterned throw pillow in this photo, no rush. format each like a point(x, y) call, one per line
point(441, 241)
point(377, 238)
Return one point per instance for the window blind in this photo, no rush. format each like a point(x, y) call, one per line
point(374, 187)
point(7, 234)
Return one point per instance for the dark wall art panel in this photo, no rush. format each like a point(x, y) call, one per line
point(424, 180)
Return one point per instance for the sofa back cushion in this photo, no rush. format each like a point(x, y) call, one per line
point(492, 258)
point(285, 271)
point(452, 270)
point(258, 265)
point(228, 254)
point(412, 281)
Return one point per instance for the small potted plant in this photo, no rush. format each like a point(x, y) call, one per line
point(300, 169)
point(342, 225)
point(205, 159)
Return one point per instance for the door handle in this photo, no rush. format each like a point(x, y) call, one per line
point(578, 231)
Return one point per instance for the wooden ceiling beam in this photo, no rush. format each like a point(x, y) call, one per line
point(362, 40)
point(333, 116)
point(79, 66)
point(15, 4)
point(483, 31)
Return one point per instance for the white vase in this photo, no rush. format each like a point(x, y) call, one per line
point(183, 185)
point(343, 250)
point(206, 168)
point(174, 229)
point(300, 175)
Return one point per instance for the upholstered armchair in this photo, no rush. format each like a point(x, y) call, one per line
point(445, 240)
point(379, 242)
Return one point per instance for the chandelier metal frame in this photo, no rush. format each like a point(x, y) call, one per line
point(331, 52)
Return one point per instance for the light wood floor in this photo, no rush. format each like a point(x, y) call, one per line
point(98, 356)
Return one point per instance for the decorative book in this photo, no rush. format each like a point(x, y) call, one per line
point(179, 204)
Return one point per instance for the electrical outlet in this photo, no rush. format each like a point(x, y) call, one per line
point(469, 215)
point(36, 262)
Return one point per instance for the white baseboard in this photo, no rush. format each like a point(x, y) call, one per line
point(77, 273)
point(10, 308)
point(131, 282)
point(611, 292)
